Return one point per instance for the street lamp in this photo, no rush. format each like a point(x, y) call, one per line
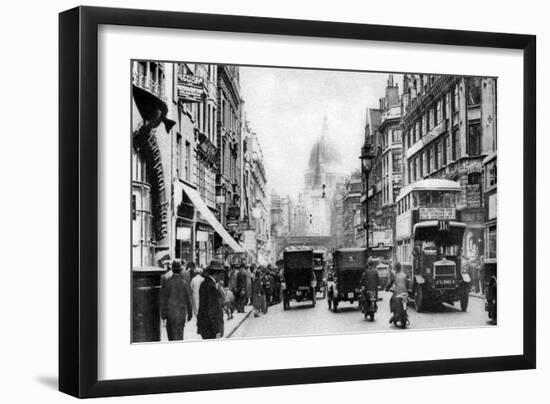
point(366, 166)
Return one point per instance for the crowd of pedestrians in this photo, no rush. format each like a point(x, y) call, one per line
point(213, 292)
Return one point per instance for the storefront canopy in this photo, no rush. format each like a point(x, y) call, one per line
point(210, 218)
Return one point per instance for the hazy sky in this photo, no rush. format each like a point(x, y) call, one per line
point(285, 107)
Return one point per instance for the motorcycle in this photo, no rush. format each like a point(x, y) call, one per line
point(400, 317)
point(368, 304)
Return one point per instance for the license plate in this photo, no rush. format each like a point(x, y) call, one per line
point(350, 295)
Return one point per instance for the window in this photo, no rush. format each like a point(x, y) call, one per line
point(444, 107)
point(421, 165)
point(428, 160)
point(454, 145)
point(179, 156)
point(474, 139)
point(474, 91)
point(437, 145)
point(396, 163)
point(454, 100)
point(414, 173)
point(491, 174)
point(409, 172)
point(396, 136)
point(492, 242)
point(438, 115)
point(187, 163)
point(444, 151)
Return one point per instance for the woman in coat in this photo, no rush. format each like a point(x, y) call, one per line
point(257, 292)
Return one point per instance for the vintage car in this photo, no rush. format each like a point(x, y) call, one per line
point(348, 267)
point(299, 281)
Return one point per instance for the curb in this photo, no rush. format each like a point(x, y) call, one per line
point(482, 297)
point(239, 324)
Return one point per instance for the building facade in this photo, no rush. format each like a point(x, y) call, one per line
point(351, 206)
point(383, 137)
point(449, 127)
point(230, 157)
point(175, 162)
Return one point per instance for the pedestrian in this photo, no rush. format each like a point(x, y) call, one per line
point(195, 285)
point(175, 303)
point(264, 289)
point(257, 292)
point(475, 275)
point(241, 281)
point(250, 270)
point(210, 313)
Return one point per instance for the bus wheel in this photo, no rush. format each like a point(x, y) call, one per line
point(419, 298)
point(464, 300)
point(493, 305)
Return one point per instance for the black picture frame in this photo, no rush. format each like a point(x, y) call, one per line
point(78, 207)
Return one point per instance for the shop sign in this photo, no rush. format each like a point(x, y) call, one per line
point(249, 240)
point(190, 88)
point(437, 213)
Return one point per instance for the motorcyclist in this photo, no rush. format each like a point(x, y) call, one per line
point(369, 283)
point(400, 282)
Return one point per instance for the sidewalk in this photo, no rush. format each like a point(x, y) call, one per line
point(230, 326)
point(478, 295)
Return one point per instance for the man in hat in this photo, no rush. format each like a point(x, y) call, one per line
point(210, 314)
point(175, 303)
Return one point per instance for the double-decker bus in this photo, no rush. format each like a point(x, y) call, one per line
point(429, 243)
point(489, 269)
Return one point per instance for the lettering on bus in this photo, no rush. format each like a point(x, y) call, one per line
point(437, 213)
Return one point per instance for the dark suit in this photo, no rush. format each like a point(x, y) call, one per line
point(210, 315)
point(175, 305)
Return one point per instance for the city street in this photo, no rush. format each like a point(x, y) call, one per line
point(302, 319)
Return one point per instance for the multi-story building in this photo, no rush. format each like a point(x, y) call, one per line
point(174, 164)
point(152, 133)
point(371, 189)
point(337, 218)
point(352, 209)
point(449, 126)
point(229, 143)
point(383, 136)
point(255, 197)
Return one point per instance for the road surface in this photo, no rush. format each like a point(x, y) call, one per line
point(303, 319)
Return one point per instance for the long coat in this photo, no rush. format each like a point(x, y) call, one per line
point(175, 299)
point(210, 316)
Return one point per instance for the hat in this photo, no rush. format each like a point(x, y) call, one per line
point(165, 259)
point(216, 266)
point(176, 266)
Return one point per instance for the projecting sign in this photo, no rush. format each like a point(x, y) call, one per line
point(437, 213)
point(190, 88)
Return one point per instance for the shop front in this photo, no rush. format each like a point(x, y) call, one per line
point(199, 242)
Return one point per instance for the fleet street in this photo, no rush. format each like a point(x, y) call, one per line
point(302, 319)
point(272, 201)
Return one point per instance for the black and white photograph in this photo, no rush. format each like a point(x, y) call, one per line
point(280, 201)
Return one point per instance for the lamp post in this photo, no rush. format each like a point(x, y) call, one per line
point(366, 165)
